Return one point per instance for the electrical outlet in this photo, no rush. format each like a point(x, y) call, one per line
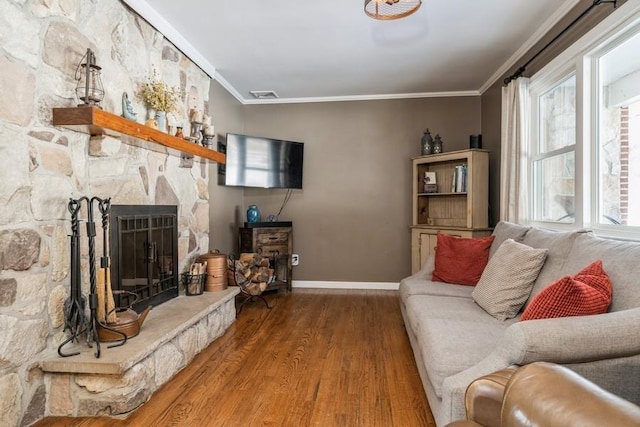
point(295, 259)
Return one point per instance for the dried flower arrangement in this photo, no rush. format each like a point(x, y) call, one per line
point(158, 95)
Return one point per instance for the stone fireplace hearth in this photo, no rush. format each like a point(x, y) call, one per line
point(123, 378)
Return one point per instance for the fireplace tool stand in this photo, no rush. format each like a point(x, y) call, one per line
point(76, 320)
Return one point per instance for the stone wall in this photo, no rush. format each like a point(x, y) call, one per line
point(41, 167)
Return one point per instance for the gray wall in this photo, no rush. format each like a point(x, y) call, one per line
point(351, 220)
point(226, 204)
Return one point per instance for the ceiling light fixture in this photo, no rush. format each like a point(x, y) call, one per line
point(390, 9)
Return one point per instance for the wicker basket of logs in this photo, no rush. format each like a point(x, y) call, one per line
point(216, 271)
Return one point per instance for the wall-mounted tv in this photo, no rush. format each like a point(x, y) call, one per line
point(263, 162)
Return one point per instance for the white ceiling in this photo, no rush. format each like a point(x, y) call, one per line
point(330, 50)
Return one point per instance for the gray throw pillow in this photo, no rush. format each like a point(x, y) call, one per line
point(507, 280)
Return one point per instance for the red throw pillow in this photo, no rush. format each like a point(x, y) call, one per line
point(588, 292)
point(461, 260)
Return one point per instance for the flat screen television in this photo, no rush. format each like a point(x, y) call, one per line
point(263, 162)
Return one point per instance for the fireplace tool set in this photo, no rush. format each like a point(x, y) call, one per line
point(102, 315)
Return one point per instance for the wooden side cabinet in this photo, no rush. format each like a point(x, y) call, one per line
point(275, 242)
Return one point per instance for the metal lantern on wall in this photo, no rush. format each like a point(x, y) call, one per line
point(89, 88)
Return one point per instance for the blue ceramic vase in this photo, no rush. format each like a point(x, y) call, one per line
point(253, 214)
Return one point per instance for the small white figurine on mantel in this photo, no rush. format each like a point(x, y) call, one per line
point(127, 108)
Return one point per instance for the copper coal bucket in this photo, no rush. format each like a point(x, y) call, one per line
point(217, 278)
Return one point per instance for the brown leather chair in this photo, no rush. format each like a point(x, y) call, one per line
point(543, 394)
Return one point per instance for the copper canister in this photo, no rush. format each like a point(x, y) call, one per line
point(216, 270)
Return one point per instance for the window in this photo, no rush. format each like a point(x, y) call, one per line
point(619, 134)
point(553, 157)
point(584, 147)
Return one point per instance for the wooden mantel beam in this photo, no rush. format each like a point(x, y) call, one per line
point(96, 122)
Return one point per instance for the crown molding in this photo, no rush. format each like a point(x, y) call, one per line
point(232, 90)
point(361, 97)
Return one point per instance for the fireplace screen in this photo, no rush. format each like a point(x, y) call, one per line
point(144, 253)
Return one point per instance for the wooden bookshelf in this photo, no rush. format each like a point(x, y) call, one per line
point(97, 122)
point(462, 214)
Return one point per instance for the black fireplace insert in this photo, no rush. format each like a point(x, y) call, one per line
point(144, 254)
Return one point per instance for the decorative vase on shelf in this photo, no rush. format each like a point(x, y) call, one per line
point(253, 214)
point(427, 143)
point(437, 145)
point(161, 119)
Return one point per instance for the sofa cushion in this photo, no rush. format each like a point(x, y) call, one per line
point(453, 334)
point(420, 286)
point(506, 230)
point(621, 261)
point(507, 280)
point(461, 260)
point(586, 293)
point(559, 244)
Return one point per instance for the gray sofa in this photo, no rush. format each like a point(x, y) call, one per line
point(455, 341)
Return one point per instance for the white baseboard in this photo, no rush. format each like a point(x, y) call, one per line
point(345, 285)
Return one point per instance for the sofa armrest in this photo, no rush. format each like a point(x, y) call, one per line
point(566, 340)
point(426, 270)
point(544, 394)
point(573, 339)
point(483, 398)
point(549, 394)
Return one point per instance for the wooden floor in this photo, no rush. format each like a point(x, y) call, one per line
point(317, 358)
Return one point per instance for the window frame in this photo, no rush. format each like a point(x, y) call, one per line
point(582, 58)
point(536, 91)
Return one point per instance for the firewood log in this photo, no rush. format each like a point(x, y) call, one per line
point(253, 288)
point(246, 258)
point(100, 291)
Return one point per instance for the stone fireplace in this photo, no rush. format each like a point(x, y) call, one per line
point(43, 166)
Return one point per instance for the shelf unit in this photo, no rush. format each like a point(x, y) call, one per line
point(97, 122)
point(468, 209)
point(462, 214)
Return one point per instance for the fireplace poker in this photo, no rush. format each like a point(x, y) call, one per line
point(110, 313)
point(74, 308)
point(92, 334)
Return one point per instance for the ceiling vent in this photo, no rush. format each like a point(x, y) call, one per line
point(263, 94)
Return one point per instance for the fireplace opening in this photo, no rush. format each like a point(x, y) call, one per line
point(144, 254)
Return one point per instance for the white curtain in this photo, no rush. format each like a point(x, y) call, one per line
point(514, 146)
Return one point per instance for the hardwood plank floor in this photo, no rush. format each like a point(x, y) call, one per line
point(317, 358)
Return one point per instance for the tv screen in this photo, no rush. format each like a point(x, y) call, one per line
point(263, 162)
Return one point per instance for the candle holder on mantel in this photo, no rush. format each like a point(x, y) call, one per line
point(207, 140)
point(196, 128)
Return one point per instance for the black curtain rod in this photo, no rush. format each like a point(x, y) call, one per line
point(520, 71)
